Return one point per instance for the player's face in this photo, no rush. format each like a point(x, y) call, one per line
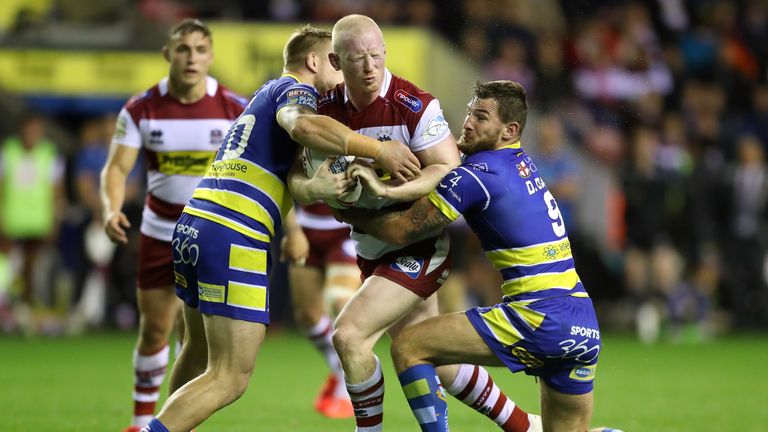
point(362, 63)
point(327, 77)
point(190, 56)
point(482, 127)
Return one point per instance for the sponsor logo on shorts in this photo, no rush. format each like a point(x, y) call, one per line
point(188, 230)
point(181, 281)
point(409, 265)
point(585, 331)
point(443, 276)
point(583, 373)
point(412, 102)
point(526, 358)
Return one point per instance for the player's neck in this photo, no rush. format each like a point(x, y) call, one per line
point(187, 94)
point(361, 101)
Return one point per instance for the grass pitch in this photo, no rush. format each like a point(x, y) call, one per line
point(85, 383)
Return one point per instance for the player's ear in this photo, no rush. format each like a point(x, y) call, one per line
point(511, 131)
point(334, 59)
point(310, 62)
point(166, 53)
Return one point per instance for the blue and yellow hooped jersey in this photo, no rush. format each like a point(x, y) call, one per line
point(245, 187)
point(517, 220)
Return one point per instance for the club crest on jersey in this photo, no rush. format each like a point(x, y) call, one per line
point(216, 136)
point(384, 135)
point(523, 170)
point(156, 136)
point(409, 265)
point(412, 102)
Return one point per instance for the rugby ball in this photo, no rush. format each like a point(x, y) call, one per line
point(312, 160)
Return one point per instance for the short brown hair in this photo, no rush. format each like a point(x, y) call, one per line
point(510, 99)
point(190, 25)
point(302, 42)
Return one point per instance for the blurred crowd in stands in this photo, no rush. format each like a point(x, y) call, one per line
point(650, 126)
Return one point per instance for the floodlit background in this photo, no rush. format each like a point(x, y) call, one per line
point(648, 121)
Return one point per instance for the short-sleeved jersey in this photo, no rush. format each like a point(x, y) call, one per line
point(402, 112)
point(517, 220)
point(245, 187)
point(179, 142)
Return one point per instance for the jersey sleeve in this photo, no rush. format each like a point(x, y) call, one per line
point(126, 130)
point(298, 94)
point(431, 129)
point(460, 191)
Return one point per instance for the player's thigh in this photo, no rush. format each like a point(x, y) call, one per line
point(442, 340)
point(232, 343)
point(563, 412)
point(376, 306)
point(425, 310)
point(194, 330)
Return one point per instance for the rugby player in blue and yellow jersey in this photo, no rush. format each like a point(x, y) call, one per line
point(221, 243)
point(546, 325)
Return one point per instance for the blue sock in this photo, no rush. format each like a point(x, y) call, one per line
point(426, 397)
point(155, 426)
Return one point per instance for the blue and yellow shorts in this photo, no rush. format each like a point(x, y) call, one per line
point(556, 339)
point(221, 271)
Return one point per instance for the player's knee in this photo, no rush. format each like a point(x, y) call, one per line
point(404, 351)
point(346, 340)
point(153, 334)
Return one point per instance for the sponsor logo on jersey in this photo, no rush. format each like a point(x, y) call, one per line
point(120, 128)
point(523, 170)
point(409, 265)
point(436, 127)
point(412, 102)
point(216, 136)
point(156, 136)
point(531, 165)
point(193, 163)
point(301, 96)
point(480, 166)
point(585, 331)
point(558, 251)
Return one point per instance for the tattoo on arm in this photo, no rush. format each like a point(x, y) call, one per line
point(425, 220)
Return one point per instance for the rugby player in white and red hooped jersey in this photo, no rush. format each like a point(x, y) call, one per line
point(399, 281)
point(178, 124)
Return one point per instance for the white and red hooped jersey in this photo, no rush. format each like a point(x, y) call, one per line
point(402, 112)
point(317, 216)
point(179, 141)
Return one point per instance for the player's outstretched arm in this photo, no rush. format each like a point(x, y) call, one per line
point(437, 160)
point(399, 227)
point(113, 177)
point(325, 134)
point(322, 185)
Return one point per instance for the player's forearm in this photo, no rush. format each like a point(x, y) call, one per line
point(325, 134)
point(112, 191)
point(419, 221)
point(301, 187)
point(420, 186)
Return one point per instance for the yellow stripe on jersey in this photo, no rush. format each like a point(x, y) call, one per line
point(239, 203)
point(229, 223)
point(416, 389)
point(191, 163)
point(247, 296)
point(501, 327)
point(256, 176)
point(541, 253)
point(210, 292)
point(444, 206)
point(526, 284)
point(247, 259)
point(529, 316)
point(515, 145)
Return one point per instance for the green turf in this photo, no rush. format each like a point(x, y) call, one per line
point(85, 384)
